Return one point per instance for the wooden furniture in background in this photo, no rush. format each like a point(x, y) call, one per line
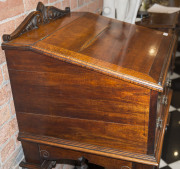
point(159, 21)
point(88, 86)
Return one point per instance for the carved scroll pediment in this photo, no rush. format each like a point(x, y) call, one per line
point(42, 15)
point(51, 13)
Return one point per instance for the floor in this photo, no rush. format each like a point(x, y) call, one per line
point(171, 147)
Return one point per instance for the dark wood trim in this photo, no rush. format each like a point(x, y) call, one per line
point(31, 152)
point(162, 133)
point(152, 122)
point(42, 15)
point(98, 150)
point(45, 165)
point(163, 58)
point(167, 62)
point(142, 166)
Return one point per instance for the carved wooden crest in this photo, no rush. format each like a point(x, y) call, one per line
point(42, 15)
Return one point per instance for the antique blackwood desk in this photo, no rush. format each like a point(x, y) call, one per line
point(88, 86)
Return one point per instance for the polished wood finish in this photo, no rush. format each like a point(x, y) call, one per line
point(65, 74)
point(89, 41)
point(88, 148)
point(168, 23)
point(152, 122)
point(85, 85)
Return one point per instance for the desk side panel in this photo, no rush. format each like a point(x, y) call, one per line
point(58, 99)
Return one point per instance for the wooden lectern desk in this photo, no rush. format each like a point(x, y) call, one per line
point(89, 90)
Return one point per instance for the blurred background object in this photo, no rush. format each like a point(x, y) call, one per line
point(123, 10)
point(146, 4)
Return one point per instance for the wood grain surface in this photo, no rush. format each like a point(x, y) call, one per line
point(88, 85)
point(102, 44)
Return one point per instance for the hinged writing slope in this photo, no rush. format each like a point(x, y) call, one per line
point(116, 48)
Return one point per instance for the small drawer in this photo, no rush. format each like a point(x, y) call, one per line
point(50, 153)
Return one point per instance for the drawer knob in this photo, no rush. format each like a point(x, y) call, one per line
point(159, 123)
point(169, 83)
point(165, 100)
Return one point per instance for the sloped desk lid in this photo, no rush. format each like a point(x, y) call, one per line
point(129, 52)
